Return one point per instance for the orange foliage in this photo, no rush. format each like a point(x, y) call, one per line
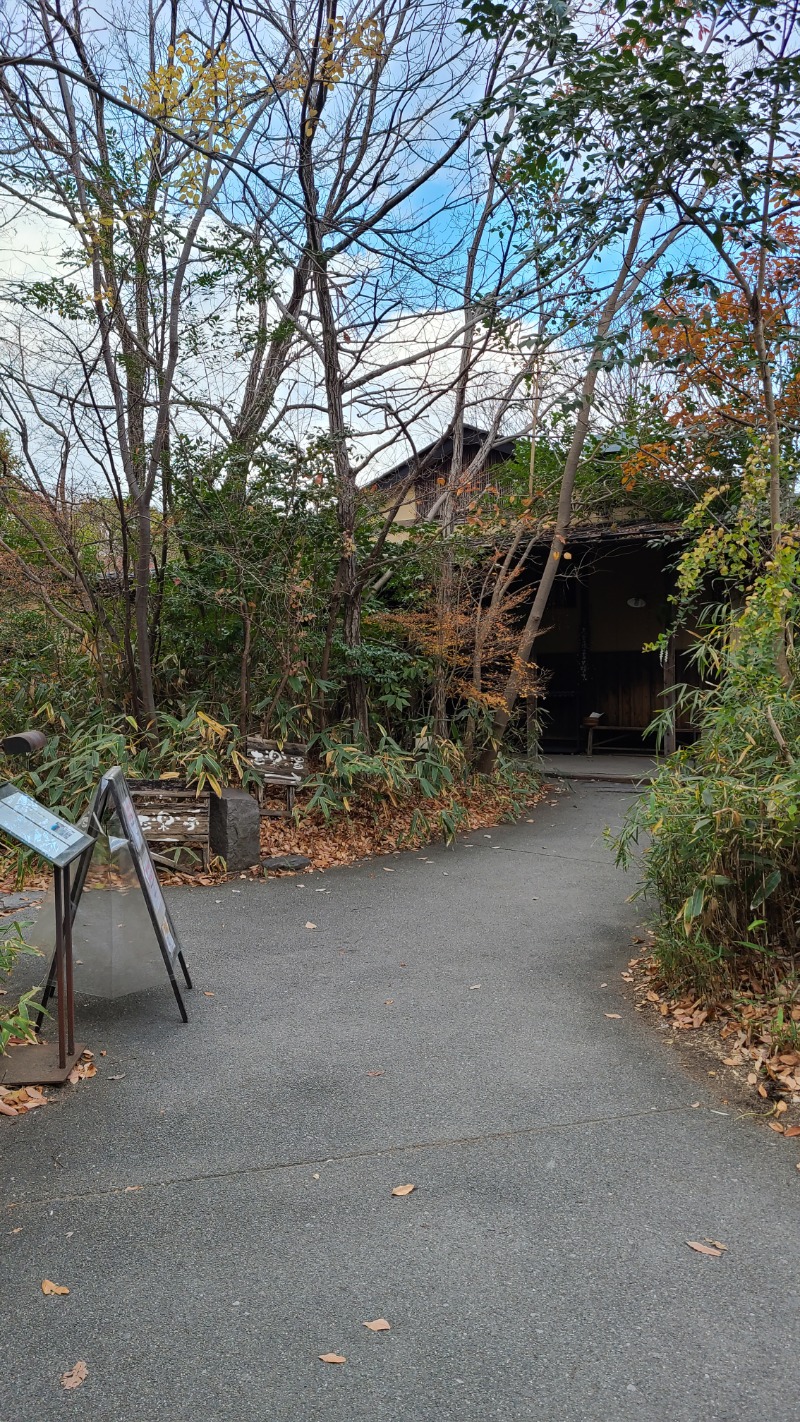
point(710, 338)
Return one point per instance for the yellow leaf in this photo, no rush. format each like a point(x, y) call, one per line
point(403, 1189)
point(48, 1287)
point(378, 1325)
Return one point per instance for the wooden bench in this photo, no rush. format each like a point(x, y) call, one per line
point(173, 817)
point(593, 725)
point(283, 765)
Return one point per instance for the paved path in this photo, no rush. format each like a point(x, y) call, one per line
point(222, 1214)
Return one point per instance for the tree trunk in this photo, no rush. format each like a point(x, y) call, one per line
point(141, 595)
point(558, 543)
point(244, 669)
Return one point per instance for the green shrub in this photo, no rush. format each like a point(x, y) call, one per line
point(16, 1017)
point(722, 818)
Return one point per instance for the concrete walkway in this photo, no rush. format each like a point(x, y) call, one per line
point(218, 1200)
point(621, 769)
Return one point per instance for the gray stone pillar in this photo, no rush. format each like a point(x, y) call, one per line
point(234, 829)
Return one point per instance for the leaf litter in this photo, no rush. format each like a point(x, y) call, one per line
point(738, 1031)
point(75, 1376)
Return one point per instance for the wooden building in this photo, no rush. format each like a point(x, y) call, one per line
point(610, 599)
point(437, 459)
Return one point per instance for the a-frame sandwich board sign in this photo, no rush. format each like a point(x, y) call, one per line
point(112, 796)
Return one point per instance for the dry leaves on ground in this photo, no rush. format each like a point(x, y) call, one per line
point(715, 1250)
point(332, 1358)
point(19, 1101)
point(48, 1287)
point(403, 1189)
point(83, 1070)
point(378, 1325)
point(739, 1030)
point(75, 1376)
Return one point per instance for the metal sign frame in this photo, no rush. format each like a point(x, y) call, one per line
point(59, 843)
point(112, 791)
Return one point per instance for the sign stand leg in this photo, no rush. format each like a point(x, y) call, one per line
point(44, 1064)
point(70, 981)
point(60, 975)
point(175, 988)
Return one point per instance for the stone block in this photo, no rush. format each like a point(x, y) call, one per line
point(286, 861)
point(235, 829)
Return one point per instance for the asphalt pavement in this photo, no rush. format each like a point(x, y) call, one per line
point(218, 1199)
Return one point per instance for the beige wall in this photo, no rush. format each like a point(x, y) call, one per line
point(405, 517)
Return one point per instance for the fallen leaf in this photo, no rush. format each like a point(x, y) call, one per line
point(762, 1091)
point(780, 1107)
point(717, 1245)
point(792, 1131)
point(16, 1230)
point(378, 1325)
point(704, 1248)
point(130, 1188)
point(387, 871)
point(474, 986)
point(75, 1376)
point(332, 1358)
point(374, 1073)
point(775, 1126)
point(617, 1016)
point(310, 925)
point(388, 1001)
point(48, 1287)
point(403, 1189)
point(208, 994)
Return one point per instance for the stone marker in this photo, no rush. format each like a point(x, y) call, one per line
point(234, 829)
point(19, 901)
point(286, 861)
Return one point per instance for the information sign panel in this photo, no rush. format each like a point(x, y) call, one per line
point(32, 824)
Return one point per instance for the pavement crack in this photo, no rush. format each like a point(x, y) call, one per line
point(373, 1153)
